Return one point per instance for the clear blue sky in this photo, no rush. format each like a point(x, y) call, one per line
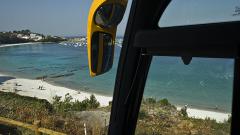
point(56, 17)
point(69, 17)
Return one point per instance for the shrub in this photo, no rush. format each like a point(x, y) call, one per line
point(79, 106)
point(164, 102)
point(183, 112)
point(150, 100)
point(229, 119)
point(110, 103)
point(142, 114)
point(93, 103)
point(68, 105)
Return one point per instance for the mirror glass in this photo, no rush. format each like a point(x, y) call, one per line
point(102, 51)
point(109, 15)
point(108, 52)
point(94, 52)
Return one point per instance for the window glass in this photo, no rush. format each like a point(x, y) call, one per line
point(187, 99)
point(189, 12)
point(44, 74)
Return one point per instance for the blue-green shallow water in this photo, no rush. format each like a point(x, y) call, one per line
point(205, 83)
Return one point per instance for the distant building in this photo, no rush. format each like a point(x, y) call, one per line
point(36, 37)
point(25, 37)
point(83, 39)
point(39, 38)
point(55, 37)
point(32, 36)
point(19, 35)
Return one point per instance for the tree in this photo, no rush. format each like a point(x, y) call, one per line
point(66, 105)
point(93, 103)
point(26, 32)
point(150, 100)
point(164, 102)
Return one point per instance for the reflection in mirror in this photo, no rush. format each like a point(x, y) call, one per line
point(102, 51)
point(94, 52)
point(109, 15)
point(108, 50)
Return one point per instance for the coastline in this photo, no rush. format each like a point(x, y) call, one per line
point(28, 87)
point(20, 44)
point(220, 117)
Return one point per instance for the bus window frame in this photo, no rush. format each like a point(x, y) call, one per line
point(135, 60)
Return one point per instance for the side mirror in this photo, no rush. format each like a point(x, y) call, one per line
point(104, 16)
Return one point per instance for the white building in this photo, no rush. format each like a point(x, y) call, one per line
point(35, 37)
point(32, 36)
point(25, 37)
point(38, 38)
point(19, 35)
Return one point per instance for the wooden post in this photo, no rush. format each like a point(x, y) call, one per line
point(85, 129)
point(93, 130)
point(105, 127)
point(105, 121)
point(36, 124)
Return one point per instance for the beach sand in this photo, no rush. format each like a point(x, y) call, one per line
point(27, 87)
point(203, 114)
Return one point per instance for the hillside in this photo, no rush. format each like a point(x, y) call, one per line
point(24, 36)
point(64, 115)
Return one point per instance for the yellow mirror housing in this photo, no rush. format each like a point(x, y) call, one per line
point(104, 16)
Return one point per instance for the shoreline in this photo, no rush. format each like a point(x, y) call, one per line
point(28, 87)
point(220, 117)
point(20, 44)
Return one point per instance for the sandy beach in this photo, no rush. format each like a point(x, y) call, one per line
point(203, 114)
point(27, 87)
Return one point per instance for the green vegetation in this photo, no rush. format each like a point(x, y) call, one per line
point(68, 105)
point(58, 116)
point(68, 116)
point(25, 36)
point(24, 32)
point(10, 38)
point(150, 100)
point(164, 102)
point(183, 112)
point(162, 118)
point(142, 114)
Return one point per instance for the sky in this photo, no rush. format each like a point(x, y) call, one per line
point(69, 17)
point(54, 17)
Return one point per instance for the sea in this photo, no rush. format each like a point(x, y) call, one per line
point(205, 83)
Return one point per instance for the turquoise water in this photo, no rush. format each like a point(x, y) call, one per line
point(205, 83)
